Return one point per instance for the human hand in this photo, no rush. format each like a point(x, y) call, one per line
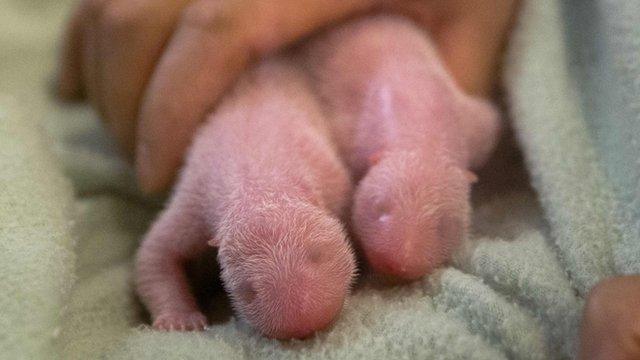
point(611, 322)
point(154, 68)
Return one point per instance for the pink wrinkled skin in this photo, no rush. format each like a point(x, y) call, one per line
point(270, 176)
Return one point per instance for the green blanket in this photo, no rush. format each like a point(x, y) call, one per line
point(71, 219)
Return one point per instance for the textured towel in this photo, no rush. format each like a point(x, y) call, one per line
point(605, 43)
point(71, 219)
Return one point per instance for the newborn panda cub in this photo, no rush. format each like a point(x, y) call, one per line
point(272, 172)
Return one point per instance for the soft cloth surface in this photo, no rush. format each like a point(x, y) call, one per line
point(70, 218)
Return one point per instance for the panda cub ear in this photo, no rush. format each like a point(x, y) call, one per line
point(468, 175)
point(213, 242)
point(471, 177)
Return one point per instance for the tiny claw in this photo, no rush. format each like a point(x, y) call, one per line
point(194, 321)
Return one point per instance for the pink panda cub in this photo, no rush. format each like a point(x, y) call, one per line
point(264, 184)
point(270, 175)
point(410, 137)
